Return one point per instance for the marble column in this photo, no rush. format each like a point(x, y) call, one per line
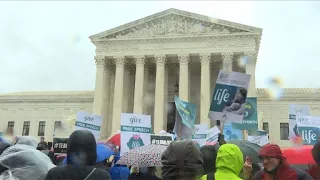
point(205, 97)
point(139, 85)
point(99, 86)
point(227, 59)
point(118, 94)
point(105, 130)
point(165, 115)
point(147, 93)
point(184, 77)
point(251, 69)
point(159, 93)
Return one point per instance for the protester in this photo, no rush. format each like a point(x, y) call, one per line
point(229, 162)
point(315, 170)
point(182, 160)
point(25, 161)
point(209, 154)
point(276, 166)
point(44, 148)
point(81, 158)
point(119, 172)
point(42, 143)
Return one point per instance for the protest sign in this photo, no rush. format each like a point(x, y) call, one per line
point(309, 129)
point(250, 119)
point(185, 118)
point(60, 145)
point(161, 139)
point(200, 134)
point(213, 134)
point(86, 121)
point(229, 97)
point(135, 131)
point(230, 133)
point(256, 133)
point(260, 140)
point(294, 111)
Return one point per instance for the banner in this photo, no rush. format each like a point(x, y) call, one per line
point(250, 119)
point(161, 140)
point(213, 134)
point(200, 134)
point(260, 140)
point(230, 133)
point(60, 145)
point(135, 131)
point(309, 129)
point(185, 119)
point(229, 97)
point(86, 121)
point(296, 110)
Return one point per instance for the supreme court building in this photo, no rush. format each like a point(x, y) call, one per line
point(142, 65)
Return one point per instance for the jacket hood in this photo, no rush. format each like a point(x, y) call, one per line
point(229, 159)
point(81, 148)
point(209, 154)
point(27, 140)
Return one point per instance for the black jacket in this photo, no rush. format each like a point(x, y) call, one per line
point(81, 158)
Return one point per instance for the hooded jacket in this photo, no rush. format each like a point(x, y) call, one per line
point(229, 162)
point(182, 160)
point(209, 154)
point(81, 157)
point(25, 161)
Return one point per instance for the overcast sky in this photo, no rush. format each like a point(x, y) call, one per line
point(45, 45)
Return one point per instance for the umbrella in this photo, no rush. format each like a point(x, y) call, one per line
point(115, 139)
point(103, 153)
point(248, 149)
point(300, 155)
point(143, 156)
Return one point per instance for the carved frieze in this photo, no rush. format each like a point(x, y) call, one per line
point(176, 43)
point(172, 25)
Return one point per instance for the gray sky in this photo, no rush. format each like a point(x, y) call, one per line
point(45, 45)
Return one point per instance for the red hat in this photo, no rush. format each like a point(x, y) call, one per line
point(271, 150)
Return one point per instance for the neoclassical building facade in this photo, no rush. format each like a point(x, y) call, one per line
point(141, 65)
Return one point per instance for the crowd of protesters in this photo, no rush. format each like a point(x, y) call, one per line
point(26, 159)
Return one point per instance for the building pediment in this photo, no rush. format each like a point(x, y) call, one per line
point(173, 22)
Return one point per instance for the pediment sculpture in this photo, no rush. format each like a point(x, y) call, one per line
point(173, 25)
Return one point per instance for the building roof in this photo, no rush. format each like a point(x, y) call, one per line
point(90, 92)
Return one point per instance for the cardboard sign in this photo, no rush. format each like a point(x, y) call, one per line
point(60, 145)
point(161, 140)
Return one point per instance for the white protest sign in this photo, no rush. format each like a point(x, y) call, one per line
point(135, 131)
point(296, 110)
point(200, 135)
point(213, 134)
point(309, 129)
point(89, 122)
point(229, 97)
point(260, 140)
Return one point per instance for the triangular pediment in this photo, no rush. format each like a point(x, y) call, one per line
point(173, 22)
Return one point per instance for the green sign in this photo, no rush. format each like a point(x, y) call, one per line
point(250, 119)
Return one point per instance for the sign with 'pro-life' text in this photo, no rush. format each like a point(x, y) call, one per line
point(309, 129)
point(135, 131)
point(229, 97)
point(294, 111)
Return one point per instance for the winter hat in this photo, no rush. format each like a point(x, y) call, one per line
point(271, 150)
